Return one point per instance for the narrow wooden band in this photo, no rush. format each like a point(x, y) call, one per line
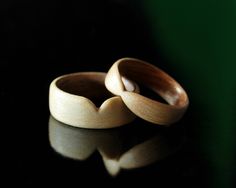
point(158, 81)
point(70, 101)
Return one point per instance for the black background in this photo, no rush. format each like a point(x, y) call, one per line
point(42, 40)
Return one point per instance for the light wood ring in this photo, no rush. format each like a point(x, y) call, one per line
point(155, 79)
point(70, 101)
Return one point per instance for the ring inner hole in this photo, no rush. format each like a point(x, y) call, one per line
point(158, 82)
point(90, 86)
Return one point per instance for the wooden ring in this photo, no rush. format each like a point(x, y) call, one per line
point(70, 101)
point(155, 79)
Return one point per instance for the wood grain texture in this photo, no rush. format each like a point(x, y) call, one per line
point(72, 100)
point(155, 79)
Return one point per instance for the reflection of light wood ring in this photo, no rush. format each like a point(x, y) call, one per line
point(70, 101)
point(79, 143)
point(158, 81)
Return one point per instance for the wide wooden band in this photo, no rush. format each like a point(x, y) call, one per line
point(70, 101)
point(153, 78)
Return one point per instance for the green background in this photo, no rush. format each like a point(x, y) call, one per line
point(199, 40)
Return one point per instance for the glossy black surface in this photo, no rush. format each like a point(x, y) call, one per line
point(171, 156)
point(47, 39)
point(130, 147)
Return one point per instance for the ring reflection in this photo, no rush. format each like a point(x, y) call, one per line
point(128, 147)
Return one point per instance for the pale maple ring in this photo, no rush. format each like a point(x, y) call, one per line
point(72, 97)
point(158, 81)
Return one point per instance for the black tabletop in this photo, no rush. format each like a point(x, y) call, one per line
point(44, 40)
point(48, 152)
